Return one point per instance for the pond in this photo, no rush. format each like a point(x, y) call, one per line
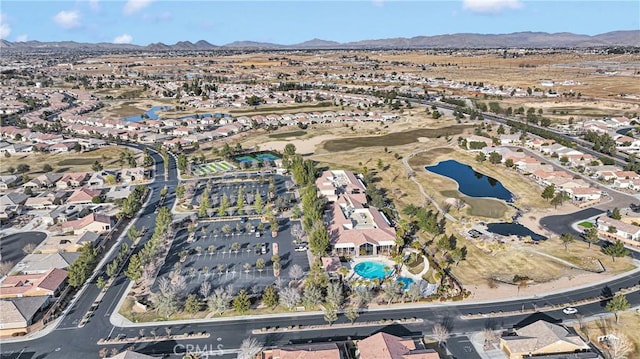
point(471, 182)
point(151, 114)
point(517, 229)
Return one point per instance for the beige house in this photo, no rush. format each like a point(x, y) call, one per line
point(387, 346)
point(97, 223)
point(304, 351)
point(18, 313)
point(542, 338)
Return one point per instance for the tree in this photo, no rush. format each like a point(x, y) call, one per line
point(548, 192)
point(566, 238)
point(390, 291)
point(249, 348)
point(180, 189)
point(100, 282)
point(618, 346)
point(289, 297)
point(335, 295)
point(616, 249)
point(241, 303)
point(495, 158)
point(312, 296)
point(97, 166)
point(440, 333)
point(481, 157)
point(29, 248)
point(270, 296)
point(5, 267)
point(260, 264)
point(618, 303)
point(22, 168)
point(591, 235)
point(558, 199)
point(615, 214)
point(219, 301)
point(414, 292)
point(330, 315)
point(192, 305)
point(295, 272)
point(47, 168)
point(352, 314)
point(258, 203)
point(80, 270)
point(509, 163)
point(205, 289)
point(165, 299)
point(134, 270)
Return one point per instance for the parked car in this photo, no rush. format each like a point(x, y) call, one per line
point(301, 248)
point(569, 310)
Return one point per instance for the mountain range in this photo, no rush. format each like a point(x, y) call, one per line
point(457, 41)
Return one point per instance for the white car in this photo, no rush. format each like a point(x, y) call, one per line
point(569, 310)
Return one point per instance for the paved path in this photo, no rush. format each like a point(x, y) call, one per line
point(405, 162)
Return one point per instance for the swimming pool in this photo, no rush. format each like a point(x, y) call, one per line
point(372, 270)
point(406, 282)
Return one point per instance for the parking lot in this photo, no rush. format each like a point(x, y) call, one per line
point(249, 188)
point(226, 253)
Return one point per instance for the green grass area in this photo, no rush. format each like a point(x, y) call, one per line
point(481, 207)
point(392, 139)
point(288, 134)
point(586, 224)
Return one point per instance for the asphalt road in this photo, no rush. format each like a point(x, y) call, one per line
point(68, 341)
point(11, 246)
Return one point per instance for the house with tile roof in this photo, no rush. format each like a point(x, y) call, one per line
point(387, 346)
point(542, 338)
point(128, 354)
point(93, 222)
point(33, 285)
point(354, 228)
point(83, 195)
point(72, 180)
point(304, 351)
point(614, 229)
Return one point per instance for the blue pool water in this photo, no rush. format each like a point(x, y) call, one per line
point(372, 270)
point(406, 282)
point(470, 182)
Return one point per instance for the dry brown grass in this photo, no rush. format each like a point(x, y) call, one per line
point(629, 324)
point(66, 162)
point(581, 255)
point(492, 260)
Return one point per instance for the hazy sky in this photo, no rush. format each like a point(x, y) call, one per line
point(288, 22)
